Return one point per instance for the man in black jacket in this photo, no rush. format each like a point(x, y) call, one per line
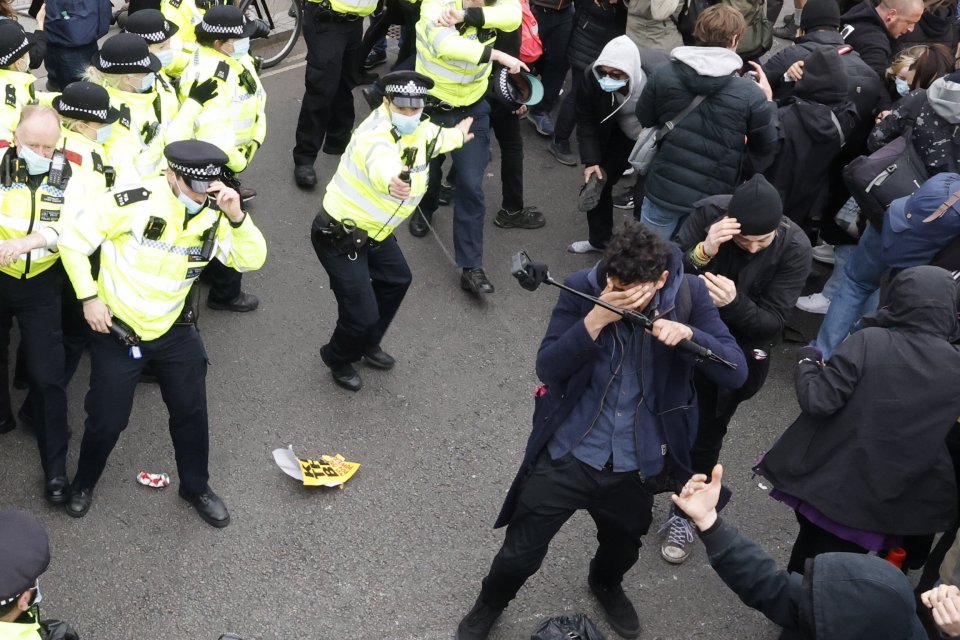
point(842, 596)
point(703, 155)
point(754, 261)
point(872, 29)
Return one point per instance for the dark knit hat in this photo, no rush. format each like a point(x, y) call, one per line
point(757, 207)
point(820, 13)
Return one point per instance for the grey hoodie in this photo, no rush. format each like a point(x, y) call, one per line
point(621, 53)
point(944, 96)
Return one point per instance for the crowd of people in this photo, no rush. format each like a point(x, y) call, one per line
point(124, 182)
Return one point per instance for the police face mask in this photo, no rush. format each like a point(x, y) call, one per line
point(103, 133)
point(405, 124)
point(146, 83)
point(903, 87)
point(610, 85)
point(191, 205)
point(165, 56)
point(240, 48)
point(36, 163)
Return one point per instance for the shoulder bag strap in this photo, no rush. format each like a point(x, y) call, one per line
point(670, 124)
point(836, 123)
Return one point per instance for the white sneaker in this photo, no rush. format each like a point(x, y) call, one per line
point(583, 246)
point(816, 303)
point(824, 253)
point(677, 546)
point(630, 171)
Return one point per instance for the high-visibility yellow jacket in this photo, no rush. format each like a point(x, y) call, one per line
point(360, 188)
point(27, 207)
point(17, 91)
point(89, 157)
point(20, 630)
point(235, 120)
point(140, 134)
point(186, 15)
point(359, 7)
point(458, 59)
point(145, 281)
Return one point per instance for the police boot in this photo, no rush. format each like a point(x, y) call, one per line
point(344, 375)
point(418, 225)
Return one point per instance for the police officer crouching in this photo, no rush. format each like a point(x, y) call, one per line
point(155, 239)
point(381, 178)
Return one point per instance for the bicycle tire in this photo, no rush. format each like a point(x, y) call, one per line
point(284, 28)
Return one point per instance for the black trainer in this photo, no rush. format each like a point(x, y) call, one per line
point(526, 218)
point(474, 280)
point(620, 612)
point(479, 620)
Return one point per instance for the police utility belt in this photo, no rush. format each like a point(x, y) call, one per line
point(326, 13)
point(342, 237)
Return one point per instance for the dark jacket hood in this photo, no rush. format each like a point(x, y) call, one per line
point(849, 596)
point(705, 70)
point(865, 12)
point(821, 36)
point(922, 298)
point(824, 78)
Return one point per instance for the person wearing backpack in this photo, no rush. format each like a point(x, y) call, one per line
point(754, 261)
point(705, 152)
point(758, 36)
point(612, 422)
point(72, 30)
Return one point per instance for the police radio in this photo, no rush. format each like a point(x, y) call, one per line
point(57, 163)
point(209, 240)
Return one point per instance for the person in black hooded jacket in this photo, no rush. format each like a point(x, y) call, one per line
point(866, 459)
point(840, 596)
point(874, 28)
point(814, 124)
point(938, 25)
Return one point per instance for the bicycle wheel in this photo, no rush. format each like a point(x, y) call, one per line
point(285, 19)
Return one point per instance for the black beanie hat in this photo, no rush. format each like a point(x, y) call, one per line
point(820, 13)
point(757, 206)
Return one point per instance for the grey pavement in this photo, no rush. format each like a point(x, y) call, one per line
point(398, 553)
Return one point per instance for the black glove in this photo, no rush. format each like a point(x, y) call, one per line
point(203, 92)
point(810, 352)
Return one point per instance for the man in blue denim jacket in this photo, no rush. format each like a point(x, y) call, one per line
point(617, 416)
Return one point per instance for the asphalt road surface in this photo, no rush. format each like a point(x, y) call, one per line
point(399, 552)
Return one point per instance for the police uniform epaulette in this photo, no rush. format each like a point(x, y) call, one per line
point(176, 3)
point(97, 161)
point(223, 71)
point(125, 119)
point(11, 96)
point(74, 157)
point(131, 196)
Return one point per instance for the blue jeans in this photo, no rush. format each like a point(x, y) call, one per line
point(842, 253)
point(661, 221)
point(861, 278)
point(470, 162)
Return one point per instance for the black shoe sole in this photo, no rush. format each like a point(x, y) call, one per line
point(56, 501)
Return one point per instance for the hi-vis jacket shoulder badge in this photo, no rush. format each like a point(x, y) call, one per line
point(223, 71)
point(131, 196)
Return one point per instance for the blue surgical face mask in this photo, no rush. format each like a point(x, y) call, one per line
point(36, 163)
point(166, 57)
point(191, 205)
point(405, 124)
point(147, 82)
point(610, 85)
point(903, 87)
point(240, 48)
point(103, 133)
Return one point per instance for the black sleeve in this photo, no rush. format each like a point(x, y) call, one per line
point(647, 103)
point(777, 65)
point(753, 575)
point(763, 314)
point(822, 390)
point(588, 120)
point(38, 48)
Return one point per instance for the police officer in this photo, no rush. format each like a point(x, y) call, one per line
point(380, 180)
point(333, 30)
point(186, 14)
point(31, 199)
point(155, 240)
point(455, 49)
point(125, 67)
point(225, 105)
point(24, 557)
point(162, 36)
point(15, 77)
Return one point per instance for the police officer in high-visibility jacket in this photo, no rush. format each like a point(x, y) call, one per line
point(455, 49)
point(186, 14)
point(147, 103)
point(16, 81)
point(154, 241)
point(380, 180)
point(32, 194)
point(333, 31)
point(163, 38)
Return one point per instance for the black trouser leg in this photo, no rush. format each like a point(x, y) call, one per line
point(812, 541)
point(369, 290)
point(567, 116)
point(553, 491)
point(613, 164)
point(333, 68)
point(114, 375)
point(430, 202)
point(506, 127)
point(180, 364)
point(225, 282)
point(554, 30)
point(392, 14)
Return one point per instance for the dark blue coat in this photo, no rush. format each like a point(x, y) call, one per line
point(565, 363)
